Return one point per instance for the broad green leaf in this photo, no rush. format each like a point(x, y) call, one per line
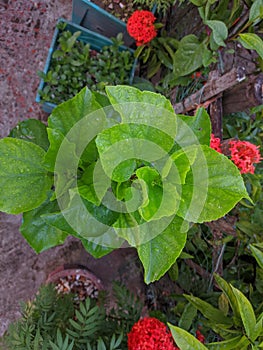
point(209, 311)
point(121, 94)
point(200, 125)
point(37, 232)
point(23, 180)
point(252, 41)
point(219, 31)
point(143, 107)
point(86, 185)
point(226, 288)
point(161, 252)
point(212, 188)
point(246, 312)
point(79, 119)
point(256, 11)
point(87, 221)
point(189, 56)
point(120, 145)
point(258, 255)
point(57, 221)
point(67, 114)
point(55, 138)
point(31, 130)
point(66, 169)
point(230, 344)
point(185, 340)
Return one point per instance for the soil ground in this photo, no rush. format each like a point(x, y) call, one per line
point(26, 30)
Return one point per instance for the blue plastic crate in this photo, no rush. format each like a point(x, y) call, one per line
point(89, 15)
point(96, 42)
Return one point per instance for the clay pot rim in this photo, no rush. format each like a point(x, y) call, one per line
point(74, 269)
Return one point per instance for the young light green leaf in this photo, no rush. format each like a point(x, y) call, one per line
point(247, 313)
point(252, 41)
point(258, 255)
point(168, 244)
point(256, 11)
point(23, 180)
point(185, 340)
point(219, 31)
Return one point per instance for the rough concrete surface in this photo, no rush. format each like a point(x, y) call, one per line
point(26, 30)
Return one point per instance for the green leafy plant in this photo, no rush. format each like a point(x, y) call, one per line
point(223, 22)
point(161, 6)
point(52, 321)
point(96, 183)
point(240, 328)
point(75, 65)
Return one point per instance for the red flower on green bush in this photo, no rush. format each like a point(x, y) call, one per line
point(150, 334)
point(215, 143)
point(140, 26)
point(244, 154)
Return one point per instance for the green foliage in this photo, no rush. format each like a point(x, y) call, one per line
point(127, 309)
point(252, 41)
point(40, 321)
point(240, 328)
point(54, 322)
point(161, 6)
point(75, 65)
point(174, 60)
point(156, 179)
point(185, 340)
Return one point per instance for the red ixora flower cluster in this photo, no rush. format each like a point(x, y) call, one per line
point(215, 143)
point(140, 26)
point(150, 334)
point(244, 154)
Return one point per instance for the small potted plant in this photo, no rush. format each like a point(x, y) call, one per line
point(79, 58)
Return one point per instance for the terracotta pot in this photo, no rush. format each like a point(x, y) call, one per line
point(76, 279)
